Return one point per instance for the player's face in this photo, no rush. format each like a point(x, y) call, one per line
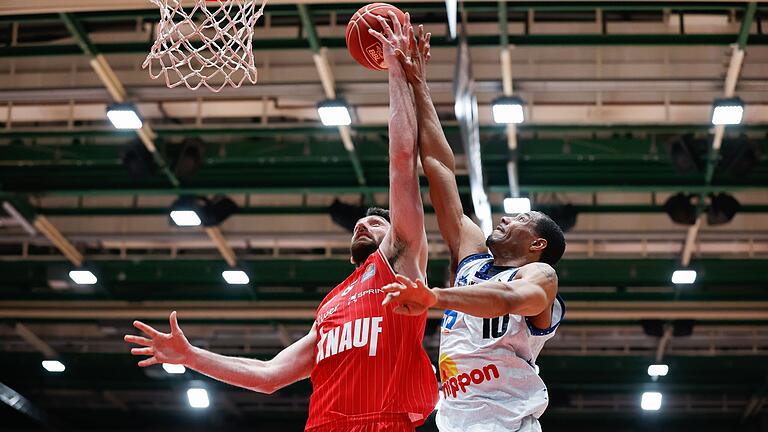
point(513, 235)
point(368, 234)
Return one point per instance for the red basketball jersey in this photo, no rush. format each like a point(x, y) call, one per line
point(369, 361)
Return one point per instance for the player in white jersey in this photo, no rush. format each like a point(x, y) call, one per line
point(504, 304)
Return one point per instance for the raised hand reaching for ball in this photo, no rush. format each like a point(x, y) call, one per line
point(400, 39)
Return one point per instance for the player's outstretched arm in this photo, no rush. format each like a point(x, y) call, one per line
point(460, 233)
point(532, 291)
point(290, 365)
point(406, 244)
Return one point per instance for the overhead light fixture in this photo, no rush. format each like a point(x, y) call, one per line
point(83, 277)
point(680, 209)
point(198, 398)
point(184, 218)
point(651, 401)
point(508, 109)
point(683, 277)
point(564, 215)
point(124, 116)
point(517, 205)
point(191, 210)
point(174, 369)
point(346, 215)
point(334, 112)
point(54, 366)
point(235, 277)
point(657, 370)
point(727, 111)
point(722, 209)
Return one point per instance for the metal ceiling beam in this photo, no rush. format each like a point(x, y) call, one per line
point(562, 188)
point(732, 76)
point(217, 311)
point(320, 57)
point(303, 129)
point(116, 89)
point(31, 338)
point(38, 10)
point(323, 210)
point(437, 42)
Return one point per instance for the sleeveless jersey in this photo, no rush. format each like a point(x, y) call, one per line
point(488, 366)
point(369, 361)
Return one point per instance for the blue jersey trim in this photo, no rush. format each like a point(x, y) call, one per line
point(535, 331)
point(470, 258)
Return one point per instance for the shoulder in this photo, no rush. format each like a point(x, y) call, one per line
point(473, 260)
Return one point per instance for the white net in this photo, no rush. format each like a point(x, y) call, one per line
point(209, 45)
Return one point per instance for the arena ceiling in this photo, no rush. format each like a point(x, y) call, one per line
point(614, 91)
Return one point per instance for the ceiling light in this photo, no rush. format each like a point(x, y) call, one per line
point(334, 113)
point(185, 218)
point(235, 277)
point(54, 366)
point(198, 398)
point(684, 277)
point(124, 116)
point(190, 210)
point(658, 370)
point(174, 369)
point(651, 401)
point(83, 277)
point(680, 209)
point(508, 109)
point(728, 111)
point(517, 205)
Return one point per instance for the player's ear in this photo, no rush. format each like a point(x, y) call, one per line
point(538, 244)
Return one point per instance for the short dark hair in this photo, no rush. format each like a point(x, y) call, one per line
point(547, 229)
point(378, 211)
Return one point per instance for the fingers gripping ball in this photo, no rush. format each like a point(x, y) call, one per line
point(364, 47)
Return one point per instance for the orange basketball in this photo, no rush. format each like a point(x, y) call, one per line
point(365, 48)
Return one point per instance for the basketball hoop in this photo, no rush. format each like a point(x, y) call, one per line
point(210, 44)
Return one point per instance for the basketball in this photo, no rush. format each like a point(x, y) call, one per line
point(363, 47)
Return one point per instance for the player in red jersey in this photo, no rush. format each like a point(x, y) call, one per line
point(368, 368)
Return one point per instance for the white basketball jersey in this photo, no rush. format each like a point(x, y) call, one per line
point(488, 366)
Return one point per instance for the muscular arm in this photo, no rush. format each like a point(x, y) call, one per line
point(290, 365)
point(406, 244)
point(462, 236)
point(530, 294)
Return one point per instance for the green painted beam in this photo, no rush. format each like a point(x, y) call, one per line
point(294, 130)
point(746, 24)
point(322, 210)
point(437, 42)
point(195, 279)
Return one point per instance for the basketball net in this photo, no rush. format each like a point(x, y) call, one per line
point(209, 45)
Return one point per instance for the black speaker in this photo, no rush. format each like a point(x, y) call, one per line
point(346, 215)
point(680, 209)
point(138, 160)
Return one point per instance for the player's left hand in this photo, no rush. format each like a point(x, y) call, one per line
point(411, 298)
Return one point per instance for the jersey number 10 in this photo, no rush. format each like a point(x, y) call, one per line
point(491, 327)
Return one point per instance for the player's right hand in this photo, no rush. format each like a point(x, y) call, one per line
point(173, 347)
point(415, 60)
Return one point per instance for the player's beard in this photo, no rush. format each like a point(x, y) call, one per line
point(362, 249)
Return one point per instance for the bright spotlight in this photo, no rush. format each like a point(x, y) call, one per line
point(684, 277)
point(235, 277)
point(657, 370)
point(728, 111)
point(517, 205)
point(54, 366)
point(82, 277)
point(651, 401)
point(198, 398)
point(334, 113)
point(124, 116)
point(508, 110)
point(174, 369)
